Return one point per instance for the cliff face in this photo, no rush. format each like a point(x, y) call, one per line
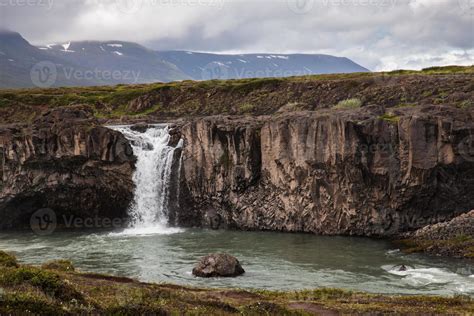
point(357, 172)
point(403, 160)
point(66, 162)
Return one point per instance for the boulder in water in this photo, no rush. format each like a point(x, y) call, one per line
point(218, 265)
point(140, 127)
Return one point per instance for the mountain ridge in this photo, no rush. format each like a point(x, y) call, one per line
point(111, 62)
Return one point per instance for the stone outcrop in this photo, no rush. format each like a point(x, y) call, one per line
point(67, 162)
point(356, 172)
point(463, 225)
point(218, 265)
point(454, 238)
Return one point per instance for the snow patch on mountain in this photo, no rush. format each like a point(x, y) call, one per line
point(66, 47)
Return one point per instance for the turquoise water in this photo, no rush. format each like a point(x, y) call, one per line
point(272, 260)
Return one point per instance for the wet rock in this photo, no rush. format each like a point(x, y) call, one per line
point(140, 127)
point(218, 265)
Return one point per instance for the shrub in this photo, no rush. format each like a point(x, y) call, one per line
point(19, 303)
point(349, 104)
point(49, 282)
point(390, 117)
point(7, 260)
point(59, 265)
point(466, 104)
point(247, 108)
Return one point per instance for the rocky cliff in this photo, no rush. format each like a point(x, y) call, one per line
point(366, 171)
point(360, 154)
point(67, 162)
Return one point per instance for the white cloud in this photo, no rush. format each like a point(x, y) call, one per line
point(379, 34)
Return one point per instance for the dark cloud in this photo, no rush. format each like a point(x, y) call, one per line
point(379, 34)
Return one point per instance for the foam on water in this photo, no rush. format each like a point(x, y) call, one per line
point(145, 231)
point(149, 211)
point(422, 277)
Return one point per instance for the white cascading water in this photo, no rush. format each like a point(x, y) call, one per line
point(149, 211)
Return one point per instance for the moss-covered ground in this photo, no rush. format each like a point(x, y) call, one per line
point(260, 96)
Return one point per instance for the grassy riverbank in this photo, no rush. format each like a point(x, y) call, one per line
point(57, 289)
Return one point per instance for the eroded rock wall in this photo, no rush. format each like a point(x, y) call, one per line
point(67, 162)
point(356, 172)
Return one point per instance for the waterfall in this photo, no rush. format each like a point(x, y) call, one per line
point(149, 210)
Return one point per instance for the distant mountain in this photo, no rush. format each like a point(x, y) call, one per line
point(86, 63)
point(23, 65)
point(203, 66)
point(116, 61)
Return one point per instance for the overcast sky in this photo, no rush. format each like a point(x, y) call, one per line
point(378, 34)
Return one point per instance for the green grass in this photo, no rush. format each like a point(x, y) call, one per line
point(247, 108)
point(353, 103)
point(389, 117)
point(261, 96)
point(467, 104)
point(59, 265)
point(7, 260)
point(446, 69)
point(48, 282)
